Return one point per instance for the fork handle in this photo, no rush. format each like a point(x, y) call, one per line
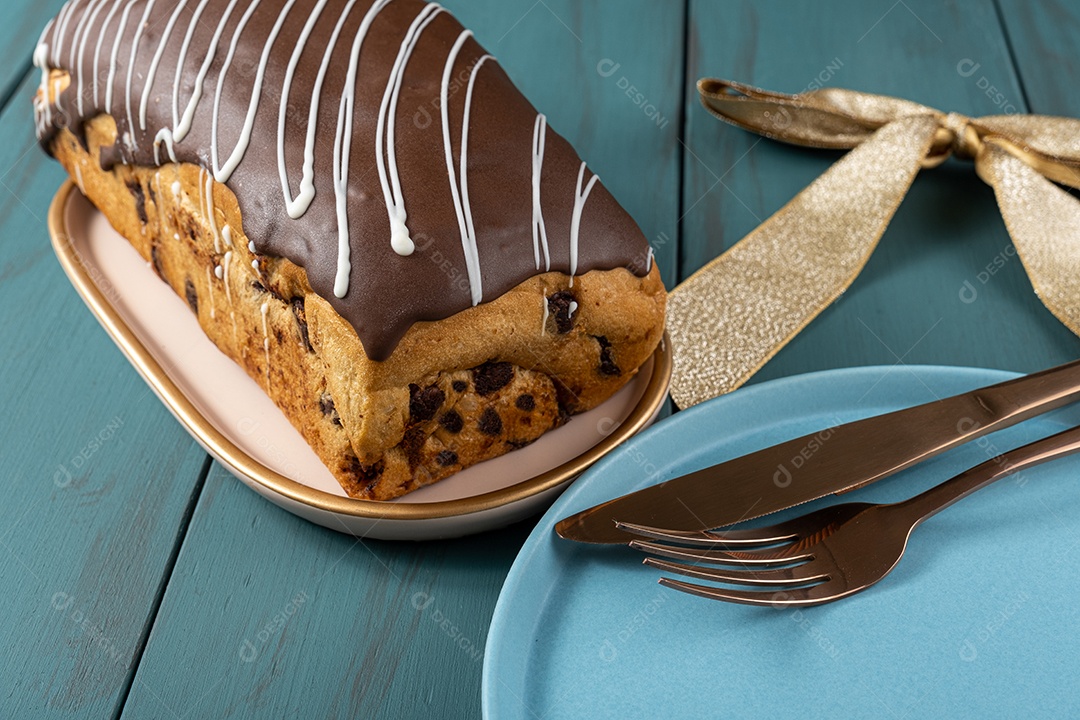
point(942, 496)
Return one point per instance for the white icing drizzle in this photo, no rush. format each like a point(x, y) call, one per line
point(539, 228)
point(208, 193)
point(472, 262)
point(42, 106)
point(218, 272)
point(58, 47)
point(572, 310)
point(385, 131)
point(543, 323)
point(575, 223)
point(164, 136)
point(210, 286)
point(297, 206)
point(649, 260)
point(251, 246)
point(176, 188)
point(86, 23)
point(109, 83)
point(228, 291)
point(152, 72)
point(100, 41)
point(183, 123)
point(223, 173)
point(86, 16)
point(466, 208)
point(143, 24)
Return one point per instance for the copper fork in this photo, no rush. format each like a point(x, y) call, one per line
point(827, 554)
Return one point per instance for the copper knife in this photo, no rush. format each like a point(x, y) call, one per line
point(855, 454)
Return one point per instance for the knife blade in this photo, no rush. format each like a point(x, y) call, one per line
point(853, 455)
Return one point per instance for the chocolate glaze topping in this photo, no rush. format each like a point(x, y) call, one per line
point(398, 211)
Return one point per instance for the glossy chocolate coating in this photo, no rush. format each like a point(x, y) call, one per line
point(387, 292)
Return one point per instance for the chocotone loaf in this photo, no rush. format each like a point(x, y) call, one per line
point(363, 212)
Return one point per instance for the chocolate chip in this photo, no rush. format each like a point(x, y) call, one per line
point(135, 187)
point(492, 377)
point(490, 422)
point(297, 304)
point(413, 444)
point(518, 444)
point(368, 475)
point(564, 416)
point(191, 295)
point(259, 286)
point(460, 386)
point(526, 402)
point(452, 421)
point(326, 404)
point(423, 404)
point(559, 310)
point(155, 260)
point(607, 363)
point(446, 458)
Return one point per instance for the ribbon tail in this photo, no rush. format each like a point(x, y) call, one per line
point(1044, 223)
point(729, 318)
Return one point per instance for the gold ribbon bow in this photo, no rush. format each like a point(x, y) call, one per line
point(731, 316)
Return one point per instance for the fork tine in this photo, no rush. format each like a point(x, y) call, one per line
point(771, 535)
point(798, 597)
point(752, 559)
point(771, 577)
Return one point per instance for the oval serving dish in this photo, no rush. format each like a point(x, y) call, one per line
point(230, 416)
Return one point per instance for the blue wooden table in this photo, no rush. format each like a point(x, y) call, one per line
point(139, 580)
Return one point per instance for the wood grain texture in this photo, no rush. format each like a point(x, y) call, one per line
point(267, 615)
point(906, 305)
point(98, 477)
point(1043, 38)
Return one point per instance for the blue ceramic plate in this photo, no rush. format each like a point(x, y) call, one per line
point(980, 619)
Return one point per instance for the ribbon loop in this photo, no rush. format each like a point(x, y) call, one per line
point(731, 316)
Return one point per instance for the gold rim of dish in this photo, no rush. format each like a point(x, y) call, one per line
point(224, 449)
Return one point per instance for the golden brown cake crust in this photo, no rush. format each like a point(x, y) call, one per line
point(455, 392)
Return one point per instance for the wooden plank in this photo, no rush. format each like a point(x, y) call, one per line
point(906, 306)
point(98, 477)
point(269, 616)
point(23, 22)
point(1043, 38)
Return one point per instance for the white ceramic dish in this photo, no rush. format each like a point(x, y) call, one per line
point(230, 416)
